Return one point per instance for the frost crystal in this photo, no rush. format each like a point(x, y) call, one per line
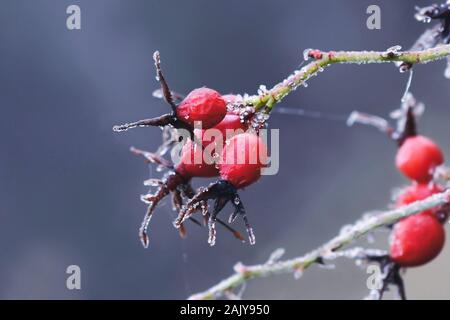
point(152, 182)
point(276, 255)
point(345, 229)
point(392, 52)
point(262, 90)
point(367, 119)
point(158, 94)
point(259, 120)
point(306, 54)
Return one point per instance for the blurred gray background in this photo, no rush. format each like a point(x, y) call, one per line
point(69, 188)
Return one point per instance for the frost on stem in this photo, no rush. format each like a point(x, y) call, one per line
point(405, 116)
point(266, 99)
point(330, 250)
point(431, 45)
point(434, 36)
point(276, 255)
point(368, 119)
point(392, 52)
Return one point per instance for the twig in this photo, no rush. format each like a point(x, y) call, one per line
point(328, 250)
point(321, 59)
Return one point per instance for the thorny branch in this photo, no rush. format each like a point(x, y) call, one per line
point(321, 59)
point(432, 45)
point(328, 251)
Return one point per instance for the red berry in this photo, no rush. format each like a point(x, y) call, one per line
point(191, 152)
point(417, 192)
point(193, 164)
point(243, 157)
point(228, 127)
point(416, 240)
point(204, 105)
point(418, 157)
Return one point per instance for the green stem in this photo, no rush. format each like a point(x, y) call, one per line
point(269, 98)
point(299, 264)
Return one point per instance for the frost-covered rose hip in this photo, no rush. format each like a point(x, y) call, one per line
point(417, 158)
point(240, 165)
point(419, 238)
point(177, 181)
point(416, 240)
point(193, 162)
point(230, 126)
point(416, 192)
point(421, 191)
point(242, 160)
point(203, 105)
point(196, 160)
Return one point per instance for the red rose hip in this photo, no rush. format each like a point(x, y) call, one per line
point(417, 192)
point(243, 157)
point(242, 160)
point(417, 158)
point(416, 240)
point(230, 126)
point(193, 163)
point(204, 105)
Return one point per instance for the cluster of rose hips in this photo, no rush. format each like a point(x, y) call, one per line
point(417, 239)
point(228, 154)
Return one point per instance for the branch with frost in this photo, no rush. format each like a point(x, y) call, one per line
point(321, 59)
point(328, 251)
